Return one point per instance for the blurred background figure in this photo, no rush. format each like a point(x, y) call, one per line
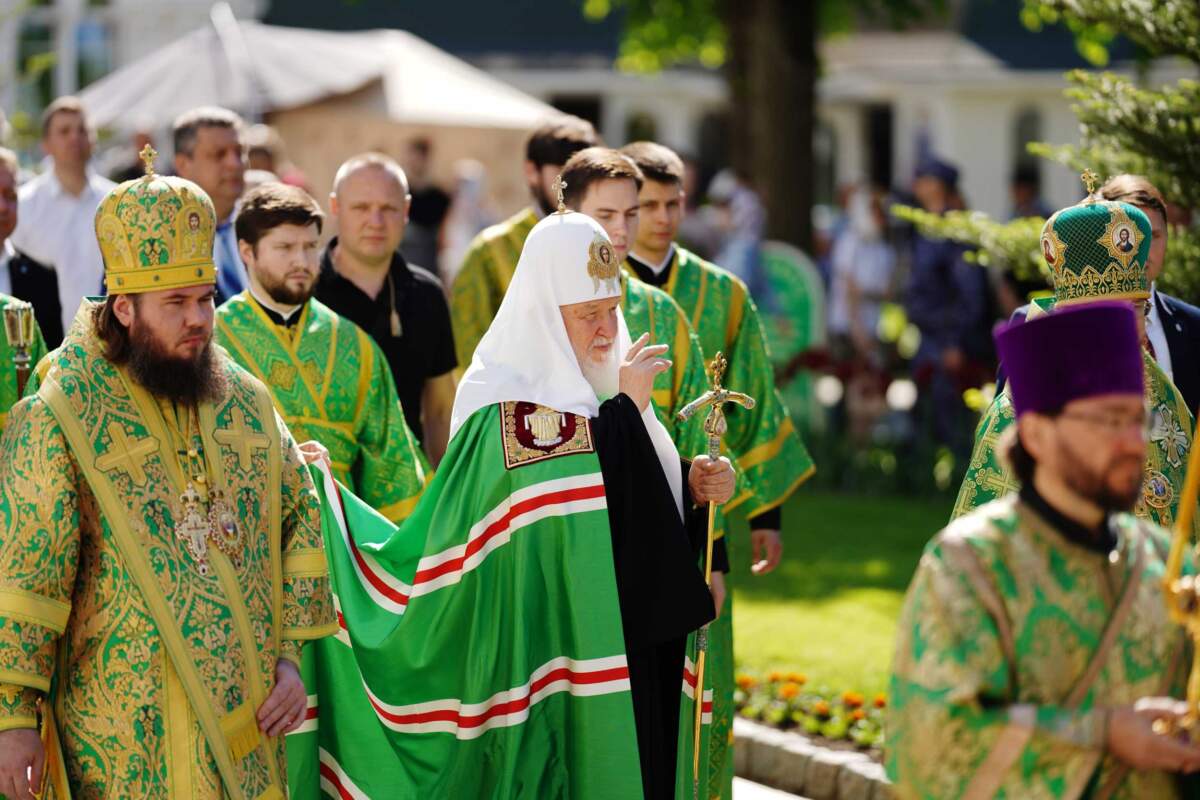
point(131, 165)
point(21, 276)
point(1026, 192)
point(265, 151)
point(469, 214)
point(949, 300)
point(257, 177)
point(209, 152)
point(698, 231)
point(427, 212)
point(741, 220)
point(862, 266)
point(58, 211)
point(862, 271)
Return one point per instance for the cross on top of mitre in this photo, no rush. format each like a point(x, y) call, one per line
point(559, 186)
point(147, 156)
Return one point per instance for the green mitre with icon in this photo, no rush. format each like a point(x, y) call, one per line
point(1097, 249)
point(156, 232)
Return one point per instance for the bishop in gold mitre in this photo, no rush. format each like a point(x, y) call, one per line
point(161, 559)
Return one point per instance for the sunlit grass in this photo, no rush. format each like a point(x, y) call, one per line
point(829, 610)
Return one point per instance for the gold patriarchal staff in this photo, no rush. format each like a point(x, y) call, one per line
point(18, 325)
point(714, 425)
point(1183, 591)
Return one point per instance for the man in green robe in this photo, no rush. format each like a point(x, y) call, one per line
point(522, 633)
point(481, 281)
point(8, 370)
point(160, 544)
point(1074, 241)
point(8, 222)
point(1035, 654)
point(327, 376)
point(771, 458)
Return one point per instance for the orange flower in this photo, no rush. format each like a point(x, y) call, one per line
point(797, 677)
point(881, 700)
point(821, 708)
point(745, 682)
point(852, 700)
point(775, 677)
point(789, 690)
point(858, 714)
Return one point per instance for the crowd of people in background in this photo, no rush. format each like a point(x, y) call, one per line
point(871, 264)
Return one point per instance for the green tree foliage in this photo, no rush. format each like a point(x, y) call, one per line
point(664, 33)
point(1124, 127)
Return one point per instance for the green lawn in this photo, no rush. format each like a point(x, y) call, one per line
point(829, 610)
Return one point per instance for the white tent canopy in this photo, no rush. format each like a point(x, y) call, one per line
point(257, 67)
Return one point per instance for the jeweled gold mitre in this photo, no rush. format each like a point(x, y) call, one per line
point(156, 232)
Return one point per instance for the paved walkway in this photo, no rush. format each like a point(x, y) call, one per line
point(745, 790)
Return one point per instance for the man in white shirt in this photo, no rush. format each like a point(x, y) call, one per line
point(58, 207)
point(209, 151)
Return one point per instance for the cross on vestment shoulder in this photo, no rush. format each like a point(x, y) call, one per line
point(126, 454)
point(240, 437)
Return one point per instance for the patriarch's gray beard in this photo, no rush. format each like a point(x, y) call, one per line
point(604, 377)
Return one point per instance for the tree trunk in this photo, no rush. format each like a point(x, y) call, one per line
point(772, 71)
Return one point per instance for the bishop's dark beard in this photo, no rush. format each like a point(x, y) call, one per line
point(181, 380)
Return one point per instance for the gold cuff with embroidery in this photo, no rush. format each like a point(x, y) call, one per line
point(305, 562)
point(18, 706)
point(35, 608)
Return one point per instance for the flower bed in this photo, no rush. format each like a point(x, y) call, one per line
point(784, 700)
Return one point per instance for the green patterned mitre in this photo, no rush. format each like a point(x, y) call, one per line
point(1097, 249)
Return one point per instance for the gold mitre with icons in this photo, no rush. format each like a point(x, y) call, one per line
point(156, 232)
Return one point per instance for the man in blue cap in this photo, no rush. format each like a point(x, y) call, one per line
point(1035, 654)
point(948, 300)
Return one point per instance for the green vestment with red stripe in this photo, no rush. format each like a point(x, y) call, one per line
point(482, 652)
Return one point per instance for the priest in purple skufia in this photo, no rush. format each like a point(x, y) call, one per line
point(1035, 653)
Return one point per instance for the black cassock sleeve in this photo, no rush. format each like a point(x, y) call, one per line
point(661, 588)
point(659, 584)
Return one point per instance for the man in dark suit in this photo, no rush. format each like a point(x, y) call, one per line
point(21, 276)
point(1172, 325)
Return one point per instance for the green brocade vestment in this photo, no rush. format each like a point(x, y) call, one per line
point(482, 280)
point(332, 384)
point(154, 647)
point(763, 442)
point(8, 372)
point(481, 653)
point(1012, 638)
point(770, 457)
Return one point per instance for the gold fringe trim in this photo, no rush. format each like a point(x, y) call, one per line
point(241, 731)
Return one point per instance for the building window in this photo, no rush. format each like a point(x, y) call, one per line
point(94, 39)
point(35, 66)
point(1027, 128)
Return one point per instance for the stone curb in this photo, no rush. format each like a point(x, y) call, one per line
point(794, 763)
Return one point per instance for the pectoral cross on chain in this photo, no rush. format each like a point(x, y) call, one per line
point(193, 527)
point(241, 438)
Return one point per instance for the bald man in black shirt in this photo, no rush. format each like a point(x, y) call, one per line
point(366, 279)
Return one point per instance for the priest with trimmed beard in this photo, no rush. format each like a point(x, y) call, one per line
point(536, 604)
